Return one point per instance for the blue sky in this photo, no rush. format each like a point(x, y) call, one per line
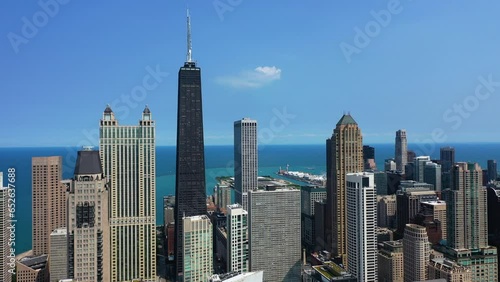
point(284, 63)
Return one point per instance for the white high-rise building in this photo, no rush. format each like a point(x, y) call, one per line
point(4, 233)
point(362, 226)
point(274, 233)
point(401, 150)
point(58, 257)
point(237, 239)
point(197, 248)
point(128, 158)
point(416, 252)
point(245, 159)
point(88, 227)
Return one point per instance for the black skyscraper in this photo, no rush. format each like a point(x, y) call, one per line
point(190, 190)
point(368, 152)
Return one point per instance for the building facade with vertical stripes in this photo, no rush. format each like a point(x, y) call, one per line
point(245, 159)
point(128, 159)
point(48, 201)
point(344, 154)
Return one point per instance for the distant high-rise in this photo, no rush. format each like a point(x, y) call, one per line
point(237, 239)
point(190, 188)
point(58, 257)
point(466, 208)
point(467, 234)
point(197, 248)
point(432, 175)
point(223, 196)
point(409, 197)
point(416, 249)
point(419, 171)
point(310, 195)
point(362, 226)
point(436, 211)
point(401, 153)
point(274, 233)
point(492, 170)
point(390, 165)
point(411, 156)
point(245, 159)
point(49, 201)
point(386, 211)
point(493, 210)
point(5, 255)
point(368, 152)
point(390, 262)
point(88, 226)
point(344, 154)
point(128, 157)
point(369, 157)
point(447, 157)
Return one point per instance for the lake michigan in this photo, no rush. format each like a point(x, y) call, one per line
point(219, 162)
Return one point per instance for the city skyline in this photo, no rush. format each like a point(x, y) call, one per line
point(153, 33)
point(103, 220)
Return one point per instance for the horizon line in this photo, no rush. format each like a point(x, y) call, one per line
point(265, 145)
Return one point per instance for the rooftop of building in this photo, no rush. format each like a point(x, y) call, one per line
point(197, 217)
point(449, 265)
point(330, 271)
point(346, 119)
point(313, 188)
point(88, 162)
point(383, 230)
point(394, 244)
point(434, 203)
point(234, 276)
point(415, 226)
point(35, 262)
point(273, 189)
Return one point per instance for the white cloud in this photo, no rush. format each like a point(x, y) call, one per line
point(256, 78)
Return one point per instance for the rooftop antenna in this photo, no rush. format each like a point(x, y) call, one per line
point(189, 46)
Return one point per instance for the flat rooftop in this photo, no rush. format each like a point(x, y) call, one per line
point(34, 262)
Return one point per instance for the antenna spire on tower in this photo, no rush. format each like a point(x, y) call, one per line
point(189, 47)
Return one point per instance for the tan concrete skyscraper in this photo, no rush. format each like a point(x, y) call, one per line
point(467, 235)
point(88, 232)
point(49, 201)
point(417, 250)
point(128, 159)
point(344, 154)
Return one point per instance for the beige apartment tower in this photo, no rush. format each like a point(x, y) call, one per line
point(467, 218)
point(48, 201)
point(390, 262)
point(128, 159)
point(416, 249)
point(88, 228)
point(344, 154)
